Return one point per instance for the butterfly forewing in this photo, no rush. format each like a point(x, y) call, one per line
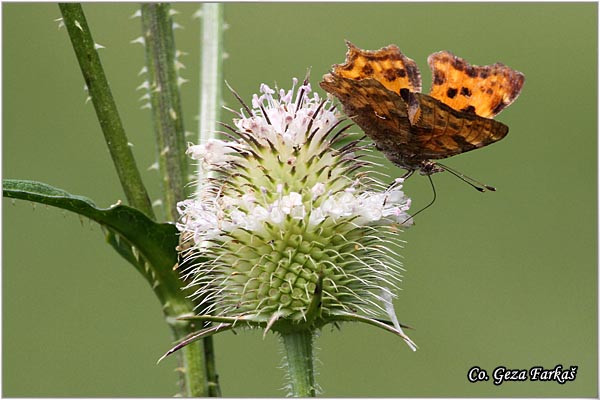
point(387, 65)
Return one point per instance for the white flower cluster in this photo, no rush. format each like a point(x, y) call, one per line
point(284, 119)
point(285, 125)
point(209, 220)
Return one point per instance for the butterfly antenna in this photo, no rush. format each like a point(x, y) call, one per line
point(428, 205)
point(480, 186)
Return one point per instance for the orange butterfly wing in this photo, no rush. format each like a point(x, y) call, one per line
point(380, 91)
point(387, 65)
point(484, 90)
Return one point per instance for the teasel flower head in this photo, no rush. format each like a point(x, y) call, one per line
point(290, 230)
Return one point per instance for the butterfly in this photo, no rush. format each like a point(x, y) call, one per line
point(381, 91)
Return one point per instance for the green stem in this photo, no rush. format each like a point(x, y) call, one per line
point(167, 114)
point(165, 281)
point(191, 361)
point(214, 389)
point(196, 361)
point(210, 73)
point(298, 348)
point(106, 109)
point(210, 101)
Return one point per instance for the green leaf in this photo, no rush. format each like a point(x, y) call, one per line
point(136, 237)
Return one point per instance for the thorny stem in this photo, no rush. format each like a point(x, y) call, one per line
point(106, 109)
point(196, 360)
point(161, 63)
point(298, 350)
point(174, 301)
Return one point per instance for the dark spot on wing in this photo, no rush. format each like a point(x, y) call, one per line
point(469, 110)
point(438, 77)
point(390, 74)
point(451, 92)
point(367, 69)
point(459, 64)
point(463, 143)
point(453, 125)
point(499, 108)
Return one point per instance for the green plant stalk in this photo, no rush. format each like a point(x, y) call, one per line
point(166, 103)
point(106, 109)
point(210, 73)
point(211, 65)
point(166, 283)
point(214, 388)
point(157, 26)
point(298, 350)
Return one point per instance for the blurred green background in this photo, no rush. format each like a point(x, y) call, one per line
point(506, 278)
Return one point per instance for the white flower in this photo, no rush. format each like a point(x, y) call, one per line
point(213, 153)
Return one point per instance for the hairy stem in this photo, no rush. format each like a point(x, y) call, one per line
point(298, 350)
point(166, 282)
point(161, 62)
